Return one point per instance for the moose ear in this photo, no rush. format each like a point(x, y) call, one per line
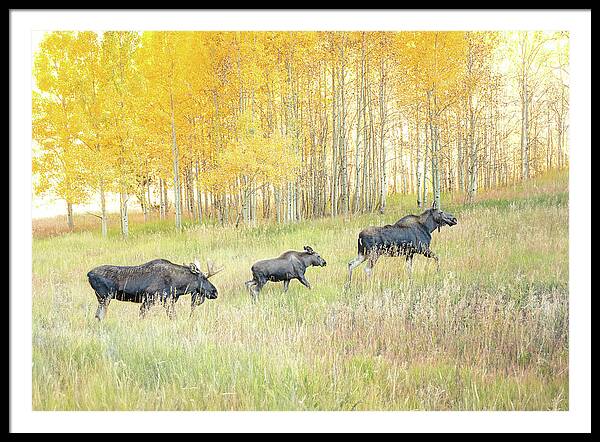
point(194, 268)
point(309, 249)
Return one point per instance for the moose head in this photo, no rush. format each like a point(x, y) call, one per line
point(315, 258)
point(205, 288)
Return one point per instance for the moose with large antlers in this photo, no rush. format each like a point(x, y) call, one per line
point(410, 235)
point(157, 281)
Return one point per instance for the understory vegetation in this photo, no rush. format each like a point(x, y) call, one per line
point(489, 331)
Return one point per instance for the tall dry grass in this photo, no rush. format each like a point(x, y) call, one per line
point(487, 332)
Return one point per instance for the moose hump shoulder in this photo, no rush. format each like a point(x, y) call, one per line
point(410, 235)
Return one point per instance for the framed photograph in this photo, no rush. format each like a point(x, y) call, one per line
point(271, 213)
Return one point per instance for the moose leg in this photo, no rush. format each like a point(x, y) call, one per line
point(169, 304)
point(251, 286)
point(256, 288)
point(144, 308)
point(170, 309)
point(353, 264)
point(304, 281)
point(103, 301)
point(429, 254)
point(286, 285)
point(101, 311)
point(372, 260)
point(250, 283)
point(409, 263)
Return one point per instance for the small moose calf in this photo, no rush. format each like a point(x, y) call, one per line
point(289, 265)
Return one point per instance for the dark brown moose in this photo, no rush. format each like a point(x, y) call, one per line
point(157, 281)
point(408, 236)
point(289, 265)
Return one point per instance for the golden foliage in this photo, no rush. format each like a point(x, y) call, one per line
point(248, 107)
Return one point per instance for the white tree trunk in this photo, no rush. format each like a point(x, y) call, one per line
point(124, 215)
point(70, 222)
point(175, 169)
point(103, 209)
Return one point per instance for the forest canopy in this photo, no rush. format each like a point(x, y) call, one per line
point(240, 126)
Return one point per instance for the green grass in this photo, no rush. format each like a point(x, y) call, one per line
point(487, 332)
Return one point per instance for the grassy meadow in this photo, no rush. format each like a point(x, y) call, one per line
point(489, 331)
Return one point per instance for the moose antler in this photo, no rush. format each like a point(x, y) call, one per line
point(211, 271)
